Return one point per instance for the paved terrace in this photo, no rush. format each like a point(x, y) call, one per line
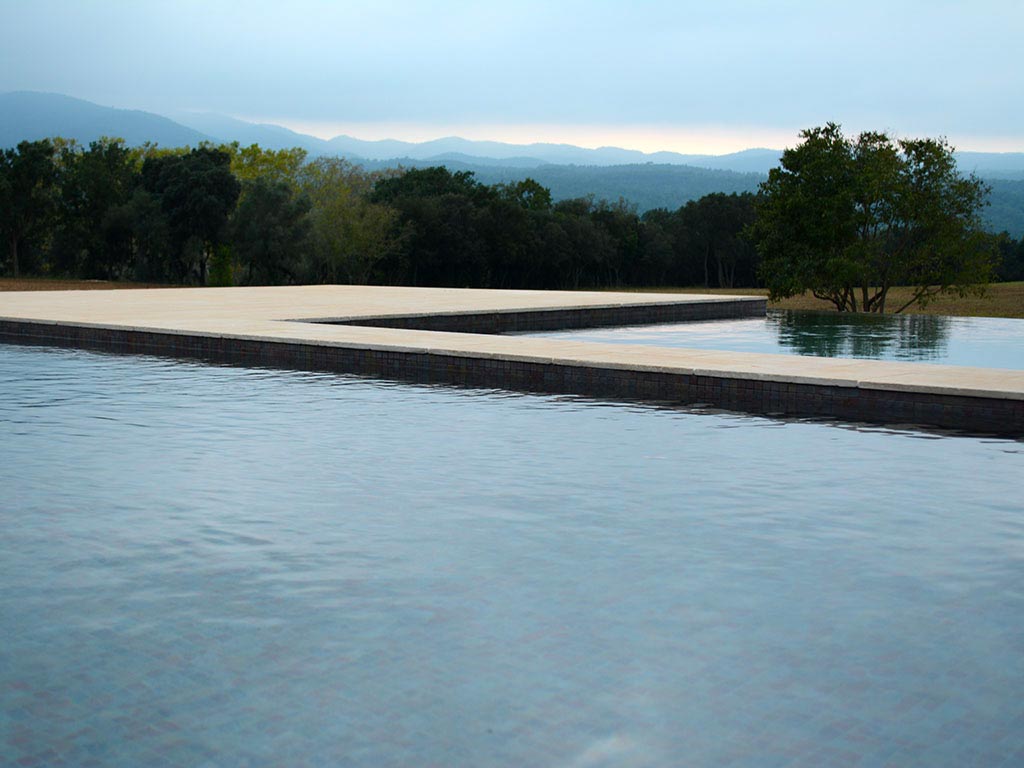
point(344, 328)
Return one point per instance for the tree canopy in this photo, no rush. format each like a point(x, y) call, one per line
point(269, 231)
point(872, 211)
point(93, 233)
point(27, 184)
point(848, 218)
point(198, 193)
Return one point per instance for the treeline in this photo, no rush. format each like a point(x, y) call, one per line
point(647, 185)
point(457, 231)
point(231, 215)
point(207, 216)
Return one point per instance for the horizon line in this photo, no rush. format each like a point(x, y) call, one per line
point(695, 139)
point(648, 140)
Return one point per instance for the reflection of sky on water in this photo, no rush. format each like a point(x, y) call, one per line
point(986, 342)
point(224, 566)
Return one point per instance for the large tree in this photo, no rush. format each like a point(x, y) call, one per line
point(715, 225)
point(27, 185)
point(351, 236)
point(197, 193)
point(438, 221)
point(848, 218)
point(93, 238)
point(269, 231)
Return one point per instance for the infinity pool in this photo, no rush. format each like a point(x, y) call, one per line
point(225, 566)
point(986, 342)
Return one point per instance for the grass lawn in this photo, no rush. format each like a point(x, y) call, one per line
point(1000, 300)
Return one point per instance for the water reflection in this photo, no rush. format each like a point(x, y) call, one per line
point(986, 342)
point(830, 334)
point(227, 566)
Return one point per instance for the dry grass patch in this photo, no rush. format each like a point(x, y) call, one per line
point(1000, 300)
point(51, 284)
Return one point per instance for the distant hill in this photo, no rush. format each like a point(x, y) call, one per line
point(29, 116)
point(525, 155)
point(649, 180)
point(992, 165)
point(227, 129)
point(647, 186)
point(1005, 210)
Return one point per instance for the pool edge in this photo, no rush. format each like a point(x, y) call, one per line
point(869, 402)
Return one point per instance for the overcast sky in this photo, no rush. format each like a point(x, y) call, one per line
point(714, 75)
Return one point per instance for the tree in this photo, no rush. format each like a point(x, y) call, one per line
point(584, 247)
point(526, 193)
point(253, 162)
point(847, 219)
point(93, 237)
point(715, 226)
point(1011, 265)
point(269, 230)
point(27, 183)
point(435, 181)
point(143, 217)
point(351, 236)
point(197, 193)
point(438, 218)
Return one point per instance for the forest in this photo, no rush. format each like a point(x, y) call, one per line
point(232, 215)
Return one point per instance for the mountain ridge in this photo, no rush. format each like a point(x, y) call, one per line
point(31, 115)
point(34, 115)
point(608, 172)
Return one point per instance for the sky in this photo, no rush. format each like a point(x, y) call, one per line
point(709, 76)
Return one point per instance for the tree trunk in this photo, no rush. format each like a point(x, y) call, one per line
point(14, 254)
point(203, 260)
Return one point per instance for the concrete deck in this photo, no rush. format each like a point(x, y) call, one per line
point(271, 325)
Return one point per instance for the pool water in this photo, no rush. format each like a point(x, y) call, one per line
point(985, 342)
point(225, 566)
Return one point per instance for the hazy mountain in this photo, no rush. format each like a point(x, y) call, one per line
point(228, 129)
point(29, 116)
point(1005, 209)
point(747, 161)
point(646, 186)
point(649, 180)
point(453, 146)
point(992, 165)
point(508, 162)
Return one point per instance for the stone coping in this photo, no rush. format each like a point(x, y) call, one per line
point(296, 314)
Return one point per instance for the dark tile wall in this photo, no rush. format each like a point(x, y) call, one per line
point(975, 414)
point(561, 319)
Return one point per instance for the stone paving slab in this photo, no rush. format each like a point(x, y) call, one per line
point(310, 302)
point(288, 314)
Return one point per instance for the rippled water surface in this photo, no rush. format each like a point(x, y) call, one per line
point(986, 342)
point(227, 566)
